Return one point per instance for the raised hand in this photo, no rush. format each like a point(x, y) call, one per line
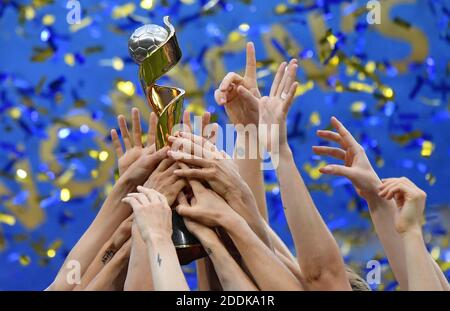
point(213, 166)
point(152, 213)
point(229, 93)
point(273, 109)
point(229, 273)
point(220, 172)
point(196, 228)
point(133, 144)
point(208, 208)
point(165, 181)
point(356, 166)
point(409, 199)
point(423, 272)
point(154, 219)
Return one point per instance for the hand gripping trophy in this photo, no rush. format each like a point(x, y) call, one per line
point(156, 51)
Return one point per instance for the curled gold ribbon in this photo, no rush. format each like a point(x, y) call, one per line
point(165, 101)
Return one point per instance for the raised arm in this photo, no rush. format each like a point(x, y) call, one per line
point(154, 219)
point(230, 275)
point(111, 214)
point(106, 253)
point(206, 276)
point(221, 174)
point(212, 211)
point(410, 202)
point(319, 258)
point(358, 169)
point(112, 276)
point(243, 113)
point(139, 276)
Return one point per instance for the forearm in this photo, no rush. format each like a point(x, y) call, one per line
point(259, 258)
point(249, 167)
point(382, 213)
point(112, 213)
point(421, 274)
point(253, 218)
point(103, 257)
point(319, 257)
point(207, 278)
point(139, 275)
point(279, 245)
point(442, 279)
point(230, 275)
point(112, 275)
point(166, 270)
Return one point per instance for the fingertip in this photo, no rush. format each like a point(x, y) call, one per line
point(326, 169)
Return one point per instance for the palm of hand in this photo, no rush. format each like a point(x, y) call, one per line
point(365, 179)
point(239, 110)
point(271, 113)
point(128, 158)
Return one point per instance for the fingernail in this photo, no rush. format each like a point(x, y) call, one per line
point(223, 100)
point(177, 171)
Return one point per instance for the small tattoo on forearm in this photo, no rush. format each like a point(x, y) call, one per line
point(107, 256)
point(208, 251)
point(159, 260)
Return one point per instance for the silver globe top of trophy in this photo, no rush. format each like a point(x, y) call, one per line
point(145, 40)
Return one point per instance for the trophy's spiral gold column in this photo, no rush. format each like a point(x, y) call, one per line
point(156, 51)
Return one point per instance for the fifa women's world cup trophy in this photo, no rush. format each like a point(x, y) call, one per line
point(155, 49)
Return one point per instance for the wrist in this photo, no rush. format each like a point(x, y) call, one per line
point(233, 224)
point(246, 145)
point(412, 232)
point(285, 151)
point(125, 184)
point(370, 194)
point(154, 238)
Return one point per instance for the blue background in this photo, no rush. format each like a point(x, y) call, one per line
point(88, 85)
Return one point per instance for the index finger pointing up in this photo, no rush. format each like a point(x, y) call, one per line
point(250, 67)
